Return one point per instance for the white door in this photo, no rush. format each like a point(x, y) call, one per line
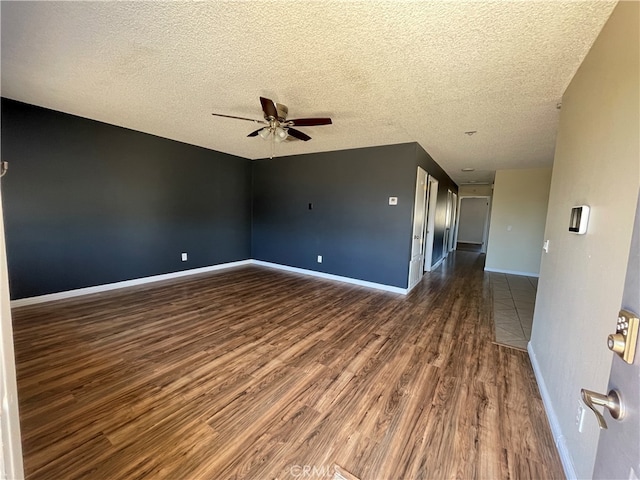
point(619, 445)
point(454, 223)
point(9, 420)
point(417, 240)
point(447, 226)
point(432, 200)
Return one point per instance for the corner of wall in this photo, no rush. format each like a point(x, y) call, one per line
point(558, 437)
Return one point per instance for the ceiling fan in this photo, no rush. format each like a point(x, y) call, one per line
point(278, 127)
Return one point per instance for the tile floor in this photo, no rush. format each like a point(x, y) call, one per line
point(514, 298)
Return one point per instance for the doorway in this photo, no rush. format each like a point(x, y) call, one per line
point(473, 223)
point(432, 200)
point(448, 240)
point(418, 234)
point(454, 222)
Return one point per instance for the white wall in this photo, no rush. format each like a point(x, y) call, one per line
point(582, 277)
point(473, 215)
point(518, 216)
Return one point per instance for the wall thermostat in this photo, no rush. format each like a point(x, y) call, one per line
point(579, 219)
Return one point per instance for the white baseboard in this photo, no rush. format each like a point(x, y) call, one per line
point(168, 276)
point(437, 264)
point(329, 276)
point(558, 437)
point(127, 283)
point(511, 272)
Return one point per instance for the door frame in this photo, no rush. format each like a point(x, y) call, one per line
point(419, 215)
point(485, 231)
point(431, 204)
point(448, 223)
point(454, 223)
point(11, 465)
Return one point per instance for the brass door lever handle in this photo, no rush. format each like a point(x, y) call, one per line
point(611, 401)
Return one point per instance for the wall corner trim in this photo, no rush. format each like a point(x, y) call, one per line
point(329, 276)
point(126, 283)
point(511, 272)
point(558, 437)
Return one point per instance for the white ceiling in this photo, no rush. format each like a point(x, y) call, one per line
point(385, 71)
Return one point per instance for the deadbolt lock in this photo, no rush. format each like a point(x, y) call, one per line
point(623, 342)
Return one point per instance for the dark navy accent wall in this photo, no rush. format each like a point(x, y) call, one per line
point(88, 203)
point(350, 222)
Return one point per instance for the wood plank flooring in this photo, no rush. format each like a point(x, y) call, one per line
point(254, 373)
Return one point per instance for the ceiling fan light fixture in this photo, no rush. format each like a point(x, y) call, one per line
point(280, 134)
point(265, 132)
point(277, 127)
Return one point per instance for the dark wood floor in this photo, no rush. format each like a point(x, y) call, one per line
point(469, 247)
point(258, 374)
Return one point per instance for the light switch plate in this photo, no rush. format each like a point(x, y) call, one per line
point(393, 200)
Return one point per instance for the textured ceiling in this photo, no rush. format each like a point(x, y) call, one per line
point(385, 71)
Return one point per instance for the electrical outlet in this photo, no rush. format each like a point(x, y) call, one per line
point(319, 258)
point(580, 417)
point(184, 257)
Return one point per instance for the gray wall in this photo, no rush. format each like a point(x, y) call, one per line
point(88, 203)
point(351, 223)
point(473, 216)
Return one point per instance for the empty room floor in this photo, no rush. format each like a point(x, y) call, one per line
point(259, 374)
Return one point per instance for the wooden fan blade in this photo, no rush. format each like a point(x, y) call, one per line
point(283, 111)
point(239, 118)
point(298, 134)
point(269, 108)
point(255, 134)
point(309, 122)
